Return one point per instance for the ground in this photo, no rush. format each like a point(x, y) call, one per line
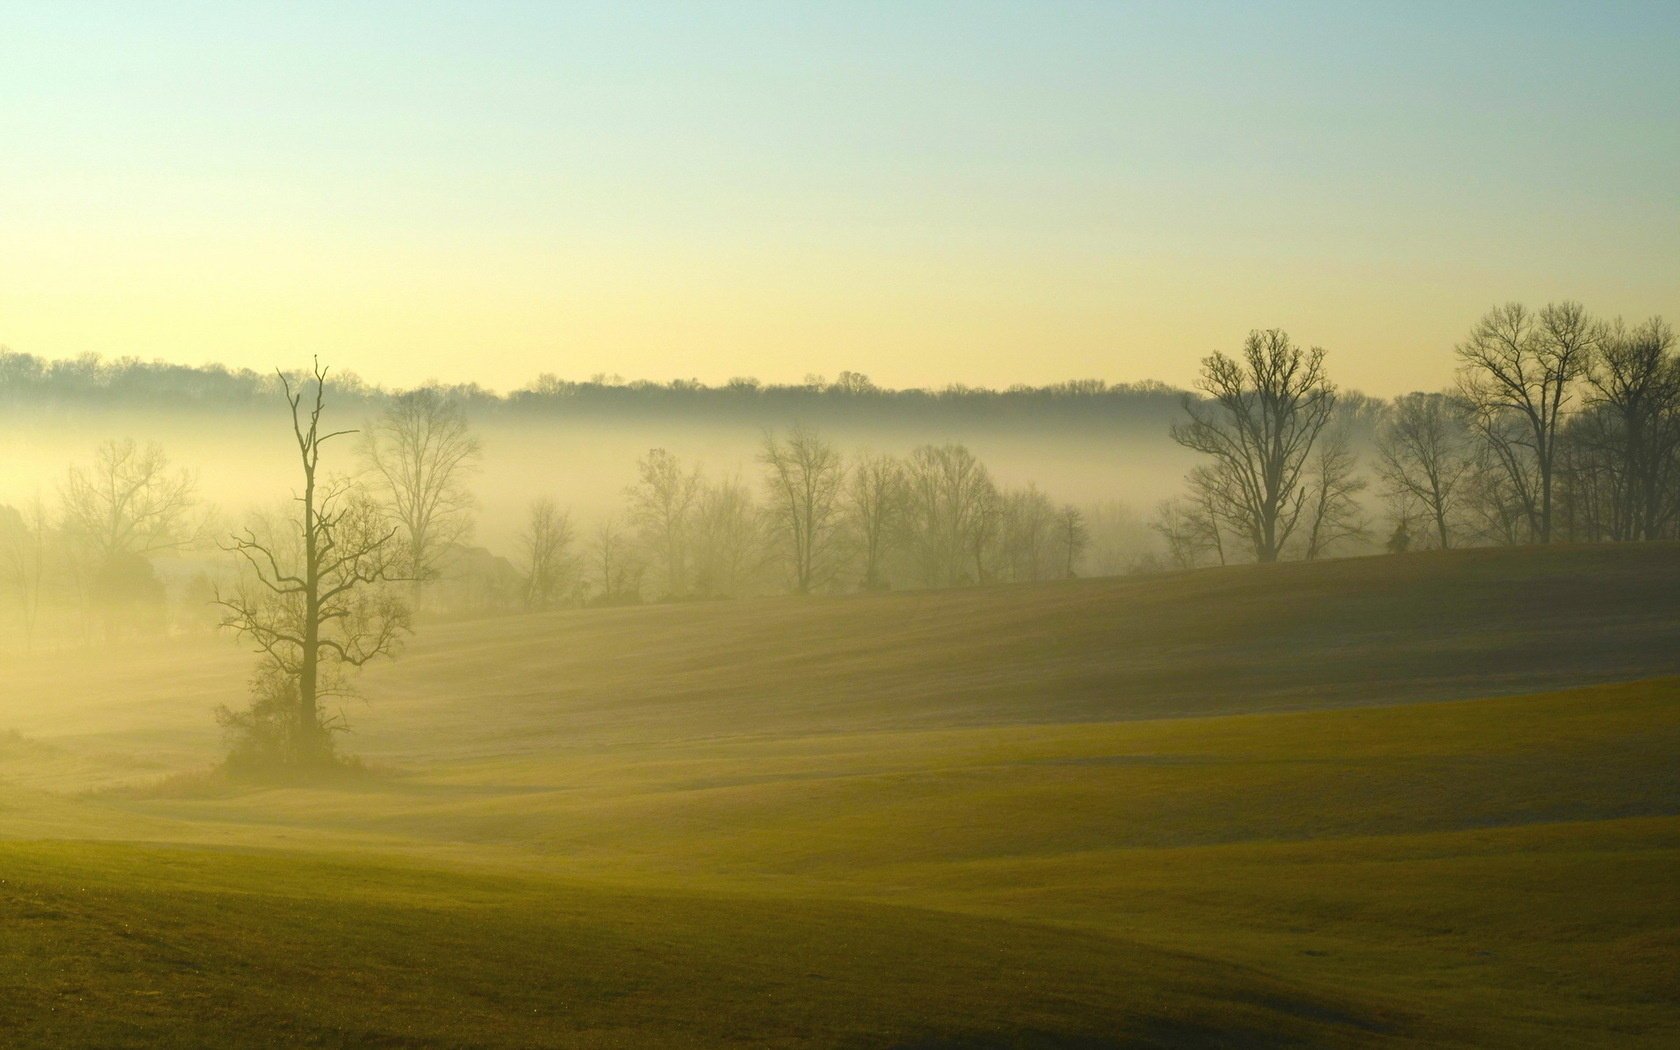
point(1426, 800)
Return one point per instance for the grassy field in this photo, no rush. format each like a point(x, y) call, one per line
point(1429, 800)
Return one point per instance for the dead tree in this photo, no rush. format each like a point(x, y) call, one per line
point(313, 598)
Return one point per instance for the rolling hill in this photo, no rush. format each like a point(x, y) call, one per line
point(1428, 800)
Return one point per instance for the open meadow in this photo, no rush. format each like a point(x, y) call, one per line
point(1427, 800)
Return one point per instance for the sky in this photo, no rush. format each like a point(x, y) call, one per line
point(983, 193)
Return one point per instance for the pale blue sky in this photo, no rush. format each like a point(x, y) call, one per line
point(986, 193)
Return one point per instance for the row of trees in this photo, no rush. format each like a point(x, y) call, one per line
point(95, 549)
point(1560, 426)
point(816, 522)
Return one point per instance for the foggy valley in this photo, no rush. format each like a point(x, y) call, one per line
point(1165, 531)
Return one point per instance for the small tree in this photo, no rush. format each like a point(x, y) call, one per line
point(874, 508)
point(421, 453)
point(312, 598)
point(23, 556)
point(617, 563)
point(127, 506)
point(1425, 456)
point(545, 544)
point(1333, 514)
point(805, 479)
point(1072, 537)
point(661, 504)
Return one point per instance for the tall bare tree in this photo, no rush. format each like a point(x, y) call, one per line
point(951, 512)
point(662, 503)
point(545, 546)
point(805, 479)
point(1259, 422)
point(422, 454)
point(313, 597)
point(1425, 456)
point(1517, 371)
point(874, 510)
point(1634, 387)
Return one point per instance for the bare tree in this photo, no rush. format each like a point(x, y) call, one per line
point(661, 503)
point(1027, 535)
point(312, 598)
point(874, 508)
point(1426, 456)
point(618, 564)
point(422, 453)
point(129, 505)
point(729, 547)
point(1517, 370)
point(1072, 538)
point(951, 512)
point(23, 555)
point(130, 502)
point(1634, 388)
point(1190, 530)
point(1333, 514)
point(545, 546)
point(805, 479)
point(1260, 421)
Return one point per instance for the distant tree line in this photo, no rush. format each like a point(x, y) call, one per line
point(1561, 426)
point(93, 381)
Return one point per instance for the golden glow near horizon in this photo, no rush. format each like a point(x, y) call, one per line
point(993, 195)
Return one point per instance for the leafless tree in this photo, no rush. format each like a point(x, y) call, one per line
point(1259, 422)
point(805, 479)
point(1634, 388)
point(874, 509)
point(130, 502)
point(661, 504)
point(729, 540)
point(422, 453)
point(23, 555)
point(1426, 456)
point(313, 597)
point(1517, 372)
point(545, 547)
point(1190, 530)
point(618, 564)
point(951, 512)
point(1072, 537)
point(1027, 535)
point(1333, 514)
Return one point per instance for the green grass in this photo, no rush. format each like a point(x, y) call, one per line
point(758, 849)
